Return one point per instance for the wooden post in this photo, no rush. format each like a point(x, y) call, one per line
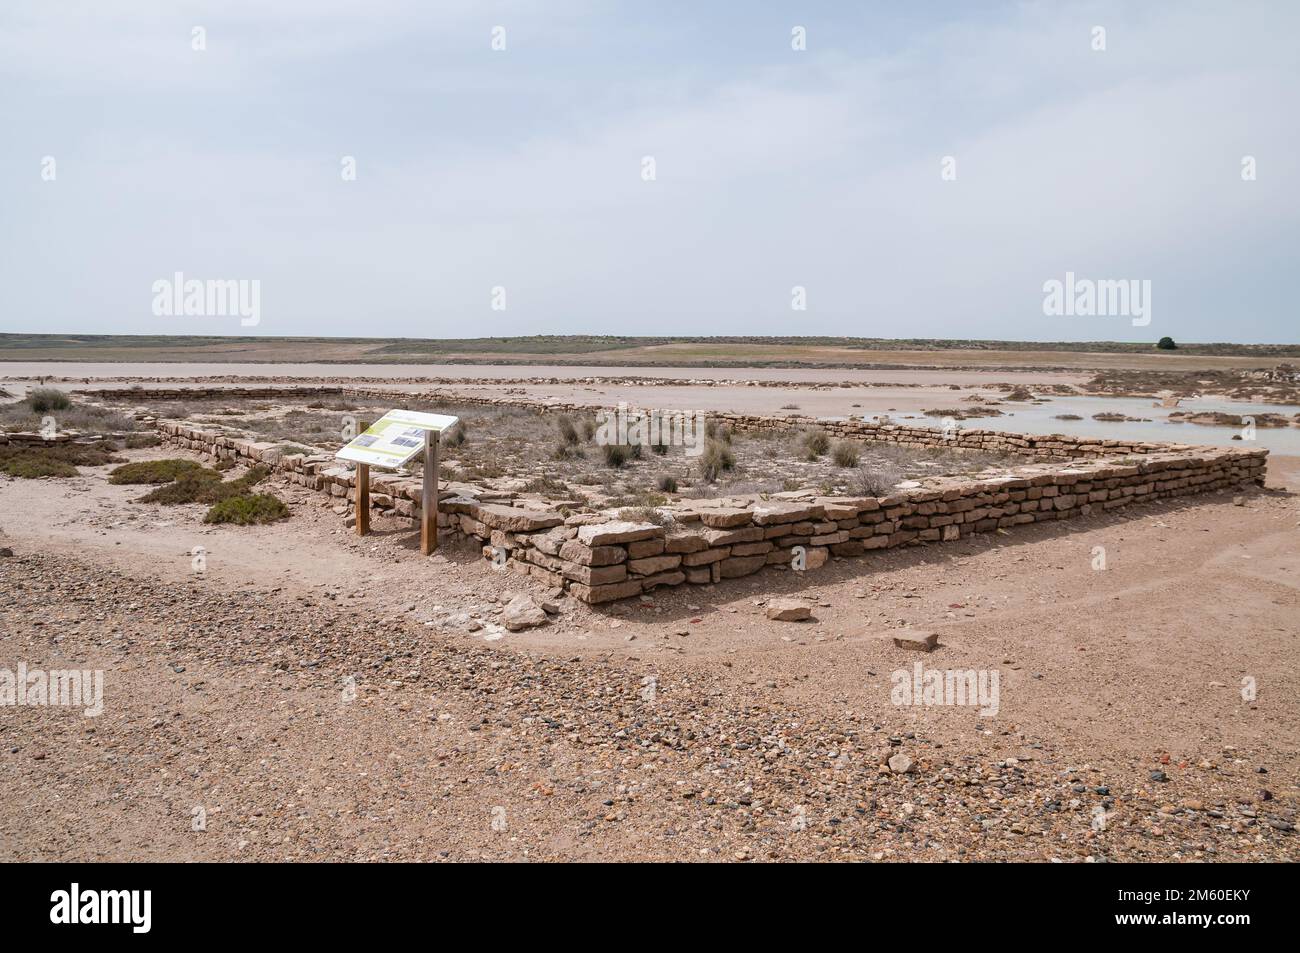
point(363, 499)
point(429, 503)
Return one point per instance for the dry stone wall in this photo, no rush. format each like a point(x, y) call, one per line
point(598, 558)
point(599, 561)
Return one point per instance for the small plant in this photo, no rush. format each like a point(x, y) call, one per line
point(616, 454)
point(457, 436)
point(45, 399)
point(815, 443)
point(568, 432)
point(588, 428)
point(716, 431)
point(642, 514)
point(247, 509)
point(878, 481)
point(668, 483)
point(845, 454)
point(547, 485)
point(139, 441)
point(715, 460)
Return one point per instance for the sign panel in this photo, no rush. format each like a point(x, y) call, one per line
point(395, 438)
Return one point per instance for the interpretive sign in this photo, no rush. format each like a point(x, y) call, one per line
point(395, 439)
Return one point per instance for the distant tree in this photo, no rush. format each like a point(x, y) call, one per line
point(1167, 344)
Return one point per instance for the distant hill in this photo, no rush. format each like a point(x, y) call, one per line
point(551, 344)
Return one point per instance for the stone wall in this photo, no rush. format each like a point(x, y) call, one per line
point(207, 393)
point(599, 559)
point(602, 561)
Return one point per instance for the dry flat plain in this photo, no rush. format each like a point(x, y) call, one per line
point(312, 695)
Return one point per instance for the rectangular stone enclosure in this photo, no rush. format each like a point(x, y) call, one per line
point(597, 557)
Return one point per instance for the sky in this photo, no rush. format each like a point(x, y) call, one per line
point(916, 170)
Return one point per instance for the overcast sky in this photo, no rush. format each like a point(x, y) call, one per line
point(522, 168)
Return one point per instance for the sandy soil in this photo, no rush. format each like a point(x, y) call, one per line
point(227, 691)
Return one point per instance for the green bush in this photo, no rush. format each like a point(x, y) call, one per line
point(54, 460)
point(247, 509)
point(616, 454)
point(44, 399)
point(33, 466)
point(668, 483)
point(153, 471)
point(845, 454)
point(202, 485)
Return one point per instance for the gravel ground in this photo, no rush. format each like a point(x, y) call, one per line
point(238, 704)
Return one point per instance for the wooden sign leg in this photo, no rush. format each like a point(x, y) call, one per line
point(363, 499)
point(429, 501)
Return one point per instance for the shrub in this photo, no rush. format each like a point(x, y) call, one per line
point(815, 443)
point(878, 481)
point(456, 437)
point(716, 431)
point(548, 485)
point(198, 486)
point(642, 514)
point(716, 458)
point(153, 471)
point(588, 428)
point(568, 432)
point(44, 399)
point(845, 454)
point(138, 441)
point(56, 460)
point(247, 509)
point(615, 454)
point(202, 485)
point(1167, 344)
point(668, 483)
point(33, 466)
